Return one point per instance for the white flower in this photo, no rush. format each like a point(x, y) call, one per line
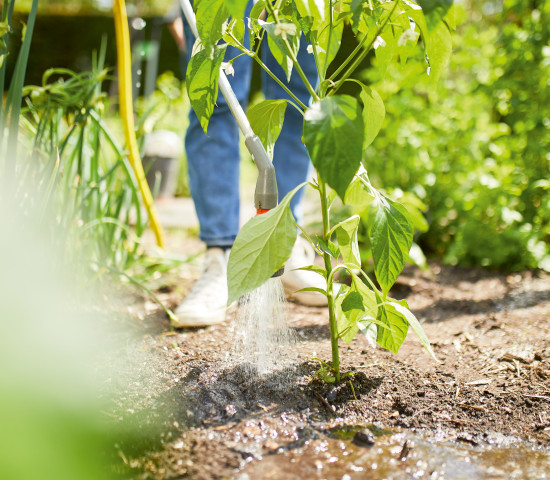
point(228, 68)
point(408, 35)
point(310, 49)
point(284, 29)
point(379, 42)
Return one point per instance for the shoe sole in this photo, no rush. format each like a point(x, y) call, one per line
point(191, 322)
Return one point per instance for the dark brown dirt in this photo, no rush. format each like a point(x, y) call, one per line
point(199, 417)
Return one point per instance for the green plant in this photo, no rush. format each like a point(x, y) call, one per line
point(11, 107)
point(475, 150)
point(337, 129)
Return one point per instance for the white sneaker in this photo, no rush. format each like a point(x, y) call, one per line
point(303, 255)
point(206, 303)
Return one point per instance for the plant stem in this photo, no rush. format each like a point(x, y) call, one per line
point(362, 56)
point(325, 63)
point(328, 267)
point(290, 53)
point(258, 60)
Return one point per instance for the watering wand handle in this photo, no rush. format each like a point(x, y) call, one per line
point(266, 195)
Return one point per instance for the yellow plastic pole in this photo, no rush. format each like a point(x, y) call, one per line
point(127, 113)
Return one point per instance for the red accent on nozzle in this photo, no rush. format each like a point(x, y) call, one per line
point(259, 211)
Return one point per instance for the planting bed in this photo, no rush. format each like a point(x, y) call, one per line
point(482, 412)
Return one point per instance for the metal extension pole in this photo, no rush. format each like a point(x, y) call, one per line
point(265, 197)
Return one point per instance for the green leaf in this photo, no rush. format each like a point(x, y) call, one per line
point(236, 8)
point(276, 34)
point(358, 305)
point(355, 7)
point(235, 28)
point(374, 113)
point(4, 28)
point(13, 99)
point(414, 207)
point(210, 15)
point(325, 375)
point(203, 72)
point(257, 10)
point(358, 195)
point(254, 29)
point(333, 133)
point(439, 48)
point(315, 268)
point(266, 119)
point(262, 246)
point(392, 337)
point(386, 52)
point(328, 247)
point(401, 308)
point(391, 236)
point(435, 11)
point(407, 34)
point(347, 321)
point(370, 331)
point(327, 37)
point(312, 289)
point(346, 235)
point(311, 8)
point(437, 41)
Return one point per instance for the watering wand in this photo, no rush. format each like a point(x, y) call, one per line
point(265, 195)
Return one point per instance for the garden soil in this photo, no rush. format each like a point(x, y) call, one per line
point(482, 410)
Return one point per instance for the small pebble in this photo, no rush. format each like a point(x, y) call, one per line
point(364, 438)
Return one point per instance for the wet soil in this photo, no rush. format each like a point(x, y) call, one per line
point(481, 411)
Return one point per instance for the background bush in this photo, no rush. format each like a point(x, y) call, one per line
point(476, 149)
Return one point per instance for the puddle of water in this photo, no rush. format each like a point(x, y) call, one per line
point(262, 338)
point(397, 456)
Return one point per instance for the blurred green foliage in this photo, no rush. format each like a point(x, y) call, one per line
point(475, 149)
point(138, 7)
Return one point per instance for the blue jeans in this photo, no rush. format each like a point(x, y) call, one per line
point(213, 160)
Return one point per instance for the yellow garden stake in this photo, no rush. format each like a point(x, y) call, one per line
point(127, 113)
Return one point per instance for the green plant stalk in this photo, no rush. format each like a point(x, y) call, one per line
point(258, 60)
point(297, 66)
point(141, 285)
point(301, 105)
point(361, 57)
point(325, 63)
point(328, 267)
point(13, 101)
point(346, 62)
point(7, 15)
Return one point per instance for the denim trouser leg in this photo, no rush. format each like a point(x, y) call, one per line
point(291, 159)
point(213, 162)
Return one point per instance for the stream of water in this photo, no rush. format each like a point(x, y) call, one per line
point(262, 339)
